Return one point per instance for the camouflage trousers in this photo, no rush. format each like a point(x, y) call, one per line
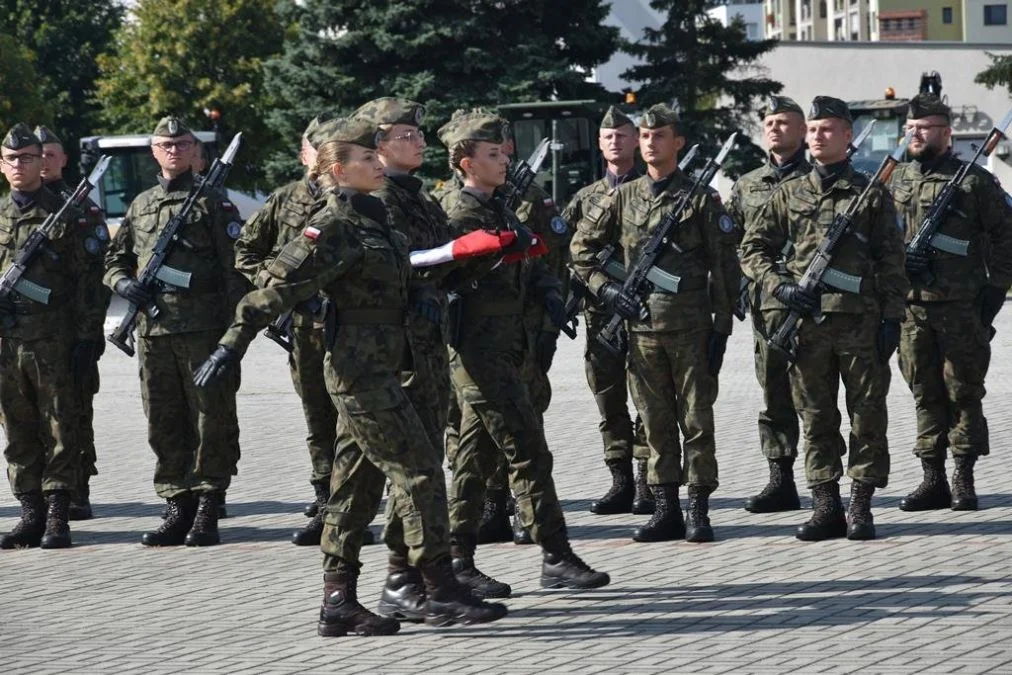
point(40, 412)
point(673, 390)
point(842, 347)
point(305, 364)
point(85, 431)
point(944, 355)
point(193, 431)
point(778, 420)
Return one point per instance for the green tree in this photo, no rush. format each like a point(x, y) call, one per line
point(446, 54)
point(998, 74)
point(20, 96)
point(708, 71)
point(189, 57)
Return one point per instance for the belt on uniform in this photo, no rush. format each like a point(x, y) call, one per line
point(359, 317)
point(502, 308)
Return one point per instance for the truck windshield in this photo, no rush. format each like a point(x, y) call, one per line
point(131, 171)
point(574, 163)
point(884, 137)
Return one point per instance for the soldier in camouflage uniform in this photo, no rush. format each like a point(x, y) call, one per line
point(350, 252)
point(45, 348)
point(784, 129)
point(606, 372)
point(945, 342)
point(676, 354)
point(54, 161)
point(193, 433)
point(860, 331)
point(486, 359)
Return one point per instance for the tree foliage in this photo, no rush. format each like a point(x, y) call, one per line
point(708, 71)
point(20, 96)
point(998, 74)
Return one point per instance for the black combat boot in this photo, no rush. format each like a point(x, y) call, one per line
point(619, 497)
point(861, 526)
point(322, 490)
point(781, 493)
point(403, 596)
point(828, 519)
point(80, 503)
point(643, 502)
point(562, 568)
point(179, 511)
point(369, 538)
point(28, 531)
point(450, 602)
point(495, 519)
point(697, 516)
point(57, 533)
point(222, 508)
point(341, 612)
point(667, 522)
point(933, 492)
point(521, 535)
point(204, 531)
point(964, 496)
point(310, 535)
point(481, 585)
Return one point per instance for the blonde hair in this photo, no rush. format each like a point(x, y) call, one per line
point(458, 152)
point(329, 154)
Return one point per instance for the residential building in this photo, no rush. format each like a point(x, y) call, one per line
point(749, 11)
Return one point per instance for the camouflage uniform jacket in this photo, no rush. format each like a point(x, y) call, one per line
point(71, 270)
point(702, 251)
point(978, 213)
point(800, 211)
point(538, 212)
point(210, 232)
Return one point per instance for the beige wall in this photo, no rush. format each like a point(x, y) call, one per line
point(936, 29)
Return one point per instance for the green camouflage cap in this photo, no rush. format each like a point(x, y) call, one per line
point(20, 136)
point(474, 125)
point(347, 130)
point(171, 127)
point(45, 135)
point(614, 118)
point(389, 110)
point(658, 116)
point(314, 124)
point(780, 104)
point(927, 105)
point(825, 107)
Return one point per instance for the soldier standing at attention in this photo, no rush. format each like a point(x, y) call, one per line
point(676, 354)
point(606, 372)
point(784, 129)
point(86, 383)
point(859, 332)
point(194, 433)
point(37, 343)
point(945, 342)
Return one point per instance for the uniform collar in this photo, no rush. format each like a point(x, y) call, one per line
point(179, 183)
point(614, 180)
point(405, 181)
point(793, 163)
point(25, 200)
point(938, 165)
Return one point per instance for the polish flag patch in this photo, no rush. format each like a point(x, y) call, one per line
point(311, 232)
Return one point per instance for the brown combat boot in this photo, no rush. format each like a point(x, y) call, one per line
point(204, 531)
point(341, 612)
point(179, 512)
point(28, 531)
point(933, 491)
point(450, 602)
point(619, 497)
point(403, 596)
point(57, 533)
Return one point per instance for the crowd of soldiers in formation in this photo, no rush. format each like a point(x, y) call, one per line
point(422, 328)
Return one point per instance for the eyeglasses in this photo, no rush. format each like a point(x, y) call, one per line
point(169, 146)
point(923, 128)
point(410, 136)
point(25, 159)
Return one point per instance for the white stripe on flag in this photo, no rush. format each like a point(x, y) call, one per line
point(432, 256)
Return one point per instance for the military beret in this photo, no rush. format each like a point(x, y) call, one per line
point(780, 104)
point(389, 110)
point(614, 118)
point(926, 105)
point(171, 127)
point(657, 116)
point(47, 136)
point(474, 125)
point(824, 107)
point(20, 136)
point(347, 130)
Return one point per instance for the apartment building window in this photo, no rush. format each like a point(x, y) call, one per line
point(822, 9)
point(995, 15)
point(752, 31)
point(946, 14)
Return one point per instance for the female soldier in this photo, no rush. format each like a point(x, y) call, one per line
point(349, 252)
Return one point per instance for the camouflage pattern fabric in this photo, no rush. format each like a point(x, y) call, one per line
point(305, 365)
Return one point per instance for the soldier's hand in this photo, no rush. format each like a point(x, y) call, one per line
point(796, 297)
point(617, 301)
point(134, 292)
point(991, 299)
point(888, 339)
point(215, 365)
point(715, 349)
point(555, 308)
point(916, 263)
point(523, 241)
point(544, 349)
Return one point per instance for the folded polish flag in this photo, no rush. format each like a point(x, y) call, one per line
point(479, 242)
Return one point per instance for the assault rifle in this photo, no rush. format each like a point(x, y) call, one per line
point(814, 279)
point(638, 283)
point(156, 274)
point(928, 238)
point(280, 330)
point(13, 279)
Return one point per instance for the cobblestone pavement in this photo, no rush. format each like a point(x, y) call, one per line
point(933, 594)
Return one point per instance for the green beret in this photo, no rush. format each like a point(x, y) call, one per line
point(347, 130)
point(389, 110)
point(658, 116)
point(824, 107)
point(19, 137)
point(926, 105)
point(780, 104)
point(475, 125)
point(614, 118)
point(47, 136)
point(171, 127)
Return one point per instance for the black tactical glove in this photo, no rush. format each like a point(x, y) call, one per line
point(544, 349)
point(796, 297)
point(617, 301)
point(523, 241)
point(715, 349)
point(888, 339)
point(84, 355)
point(991, 299)
point(134, 292)
point(916, 264)
point(215, 365)
point(555, 308)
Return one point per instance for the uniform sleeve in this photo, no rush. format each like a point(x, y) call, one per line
point(597, 229)
point(721, 237)
point(90, 297)
point(549, 224)
point(121, 260)
point(259, 235)
point(226, 228)
point(995, 207)
point(734, 208)
point(766, 234)
point(891, 283)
